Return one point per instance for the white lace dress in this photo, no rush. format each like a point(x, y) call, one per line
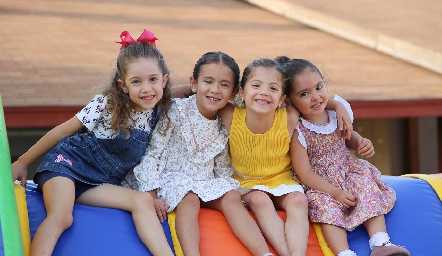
point(191, 156)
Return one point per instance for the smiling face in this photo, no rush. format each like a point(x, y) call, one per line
point(144, 82)
point(309, 96)
point(263, 92)
point(214, 88)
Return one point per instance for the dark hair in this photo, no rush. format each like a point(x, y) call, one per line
point(217, 57)
point(292, 69)
point(261, 62)
point(120, 102)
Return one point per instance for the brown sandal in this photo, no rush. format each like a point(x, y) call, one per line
point(389, 250)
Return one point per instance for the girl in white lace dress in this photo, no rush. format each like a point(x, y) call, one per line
point(189, 165)
point(343, 191)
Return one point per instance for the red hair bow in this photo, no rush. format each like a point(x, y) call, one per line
point(146, 37)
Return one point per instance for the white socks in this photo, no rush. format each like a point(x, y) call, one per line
point(379, 239)
point(347, 252)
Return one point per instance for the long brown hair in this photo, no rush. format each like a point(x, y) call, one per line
point(119, 102)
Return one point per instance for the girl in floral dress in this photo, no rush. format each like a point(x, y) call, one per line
point(188, 166)
point(343, 191)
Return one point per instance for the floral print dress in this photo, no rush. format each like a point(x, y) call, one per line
point(330, 158)
point(191, 155)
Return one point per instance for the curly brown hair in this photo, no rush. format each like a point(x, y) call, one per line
point(119, 102)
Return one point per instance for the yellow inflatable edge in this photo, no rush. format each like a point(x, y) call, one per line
point(20, 197)
point(434, 181)
point(176, 244)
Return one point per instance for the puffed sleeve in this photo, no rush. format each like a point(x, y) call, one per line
point(92, 112)
point(347, 106)
point(146, 175)
point(301, 137)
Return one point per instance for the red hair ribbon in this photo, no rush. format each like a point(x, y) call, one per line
point(146, 37)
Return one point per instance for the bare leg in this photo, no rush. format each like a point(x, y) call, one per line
point(140, 204)
point(336, 238)
point(296, 226)
point(375, 225)
point(59, 197)
point(271, 225)
point(187, 226)
point(242, 224)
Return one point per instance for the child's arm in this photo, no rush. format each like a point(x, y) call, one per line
point(360, 144)
point(180, 91)
point(161, 207)
point(226, 114)
point(344, 120)
point(292, 118)
point(47, 142)
point(301, 166)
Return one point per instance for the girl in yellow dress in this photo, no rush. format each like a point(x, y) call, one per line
point(260, 136)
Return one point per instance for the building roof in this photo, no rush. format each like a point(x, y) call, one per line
point(407, 29)
point(55, 53)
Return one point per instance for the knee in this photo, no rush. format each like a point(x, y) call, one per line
point(191, 199)
point(61, 220)
point(259, 200)
point(298, 200)
point(231, 197)
point(142, 200)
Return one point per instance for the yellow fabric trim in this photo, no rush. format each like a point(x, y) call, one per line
point(321, 240)
point(435, 182)
point(20, 197)
point(176, 244)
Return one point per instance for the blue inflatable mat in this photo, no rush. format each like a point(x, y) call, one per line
point(414, 222)
point(95, 231)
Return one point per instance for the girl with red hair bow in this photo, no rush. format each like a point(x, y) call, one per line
point(87, 156)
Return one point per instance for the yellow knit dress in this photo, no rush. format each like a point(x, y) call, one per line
point(262, 161)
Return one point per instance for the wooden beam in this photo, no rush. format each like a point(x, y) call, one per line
point(397, 109)
point(439, 139)
point(38, 117)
